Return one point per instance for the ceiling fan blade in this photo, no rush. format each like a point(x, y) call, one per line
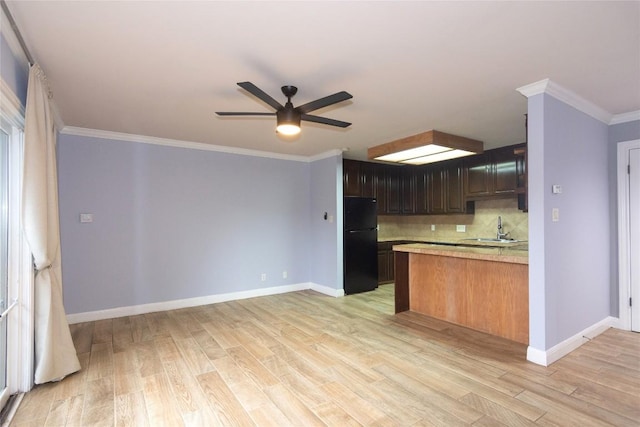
point(325, 121)
point(242, 113)
point(259, 93)
point(323, 102)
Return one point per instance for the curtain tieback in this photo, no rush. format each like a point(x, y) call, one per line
point(46, 267)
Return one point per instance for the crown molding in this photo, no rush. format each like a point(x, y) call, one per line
point(568, 97)
point(325, 155)
point(119, 136)
point(631, 116)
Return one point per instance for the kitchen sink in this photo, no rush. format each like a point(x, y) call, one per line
point(494, 240)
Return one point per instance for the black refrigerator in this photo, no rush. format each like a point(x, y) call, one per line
point(360, 245)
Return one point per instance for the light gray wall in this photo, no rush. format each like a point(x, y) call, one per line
point(173, 223)
point(570, 259)
point(628, 131)
point(13, 72)
point(326, 196)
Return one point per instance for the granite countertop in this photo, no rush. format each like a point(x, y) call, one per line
point(519, 244)
point(513, 254)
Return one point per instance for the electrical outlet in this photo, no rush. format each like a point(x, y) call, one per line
point(433, 227)
point(285, 274)
point(263, 277)
point(461, 228)
point(555, 214)
point(86, 217)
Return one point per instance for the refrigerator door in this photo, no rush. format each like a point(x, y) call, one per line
point(360, 260)
point(360, 213)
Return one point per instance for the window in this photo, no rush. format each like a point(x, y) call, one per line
point(16, 266)
point(4, 260)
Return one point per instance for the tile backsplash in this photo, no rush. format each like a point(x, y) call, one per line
point(484, 223)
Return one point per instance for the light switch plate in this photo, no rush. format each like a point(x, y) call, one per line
point(555, 214)
point(556, 189)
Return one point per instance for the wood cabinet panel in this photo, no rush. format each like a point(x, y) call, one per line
point(381, 188)
point(445, 188)
point(401, 289)
point(522, 181)
point(488, 296)
point(421, 193)
point(504, 171)
point(351, 177)
point(455, 194)
point(383, 267)
point(477, 176)
point(386, 262)
point(408, 199)
point(436, 190)
point(491, 175)
point(368, 180)
point(393, 190)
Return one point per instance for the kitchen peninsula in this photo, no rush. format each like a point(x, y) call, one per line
point(483, 288)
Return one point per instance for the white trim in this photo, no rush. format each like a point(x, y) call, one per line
point(337, 293)
point(624, 257)
point(325, 155)
point(568, 97)
point(24, 374)
point(631, 116)
point(21, 278)
point(197, 301)
point(10, 105)
point(118, 136)
point(546, 358)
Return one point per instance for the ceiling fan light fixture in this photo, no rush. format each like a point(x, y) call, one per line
point(288, 121)
point(427, 147)
point(288, 117)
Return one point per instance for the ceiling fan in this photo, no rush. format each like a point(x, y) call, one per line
point(288, 117)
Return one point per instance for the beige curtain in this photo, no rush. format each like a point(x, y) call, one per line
point(55, 355)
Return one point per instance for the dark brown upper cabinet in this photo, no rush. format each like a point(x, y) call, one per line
point(522, 186)
point(505, 178)
point(491, 175)
point(445, 188)
point(351, 178)
point(422, 180)
point(442, 188)
point(477, 176)
point(408, 201)
point(366, 179)
point(393, 190)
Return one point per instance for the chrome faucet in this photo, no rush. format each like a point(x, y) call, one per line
point(500, 234)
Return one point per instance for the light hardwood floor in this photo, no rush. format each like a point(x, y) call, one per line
point(307, 359)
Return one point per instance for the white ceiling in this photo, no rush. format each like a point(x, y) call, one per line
point(162, 69)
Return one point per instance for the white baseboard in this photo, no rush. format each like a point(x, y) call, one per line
point(326, 290)
point(193, 302)
point(619, 324)
point(558, 351)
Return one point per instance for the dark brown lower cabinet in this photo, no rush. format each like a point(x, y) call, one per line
point(386, 261)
